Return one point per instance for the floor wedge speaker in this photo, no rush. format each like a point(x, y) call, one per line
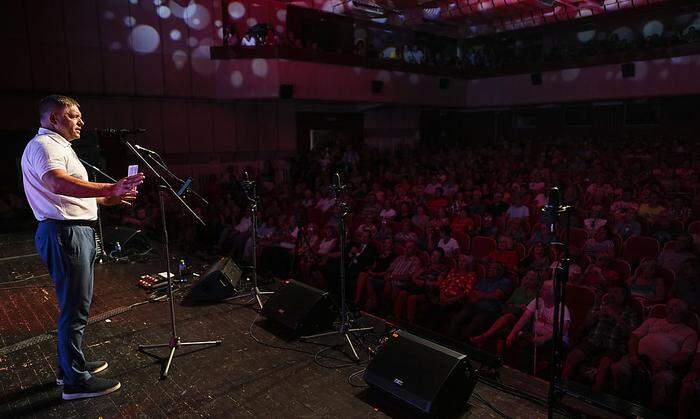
point(218, 283)
point(427, 376)
point(300, 308)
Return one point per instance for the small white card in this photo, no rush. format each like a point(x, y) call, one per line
point(133, 169)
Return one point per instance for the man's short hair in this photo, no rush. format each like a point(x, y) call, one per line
point(49, 103)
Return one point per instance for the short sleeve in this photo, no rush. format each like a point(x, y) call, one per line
point(45, 158)
point(531, 305)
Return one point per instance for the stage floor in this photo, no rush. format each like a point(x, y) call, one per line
point(241, 377)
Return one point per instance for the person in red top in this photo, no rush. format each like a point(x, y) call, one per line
point(437, 202)
point(505, 253)
point(462, 223)
point(451, 291)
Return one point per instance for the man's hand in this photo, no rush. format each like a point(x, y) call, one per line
point(126, 186)
point(127, 199)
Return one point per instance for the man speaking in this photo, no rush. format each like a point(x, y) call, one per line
point(65, 204)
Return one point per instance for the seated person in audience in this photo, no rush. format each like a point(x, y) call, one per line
point(422, 284)
point(248, 40)
point(452, 290)
point(662, 229)
point(517, 209)
point(517, 229)
point(447, 243)
point(420, 219)
point(681, 251)
point(595, 220)
point(657, 348)
point(505, 253)
point(401, 271)
point(678, 211)
point(646, 285)
point(488, 227)
point(462, 223)
point(498, 205)
point(599, 273)
point(406, 233)
point(538, 258)
point(651, 209)
point(610, 326)
point(688, 398)
point(600, 242)
point(388, 212)
point(437, 202)
point(687, 284)
point(370, 210)
point(540, 313)
point(384, 231)
point(373, 281)
point(513, 309)
point(623, 206)
point(484, 303)
point(541, 234)
point(326, 201)
point(626, 225)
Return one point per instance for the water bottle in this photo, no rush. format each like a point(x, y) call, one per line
point(117, 247)
point(182, 270)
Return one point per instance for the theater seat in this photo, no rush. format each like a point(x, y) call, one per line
point(580, 301)
point(639, 247)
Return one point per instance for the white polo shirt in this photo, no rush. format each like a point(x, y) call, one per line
point(48, 151)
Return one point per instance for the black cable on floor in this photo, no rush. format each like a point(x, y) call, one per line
point(270, 345)
point(354, 374)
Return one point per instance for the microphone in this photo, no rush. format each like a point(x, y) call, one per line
point(144, 149)
point(115, 132)
point(551, 210)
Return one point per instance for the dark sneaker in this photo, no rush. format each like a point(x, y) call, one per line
point(93, 387)
point(90, 366)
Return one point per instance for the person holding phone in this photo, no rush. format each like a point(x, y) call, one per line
point(65, 203)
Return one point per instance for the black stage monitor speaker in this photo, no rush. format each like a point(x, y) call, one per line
point(377, 86)
point(536, 79)
point(286, 91)
point(218, 283)
point(444, 83)
point(299, 307)
point(628, 70)
point(430, 377)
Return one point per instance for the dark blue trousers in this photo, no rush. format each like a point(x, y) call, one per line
point(68, 251)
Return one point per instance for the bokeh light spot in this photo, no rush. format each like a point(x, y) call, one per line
point(282, 15)
point(164, 12)
point(175, 35)
point(144, 39)
point(129, 21)
point(236, 10)
point(251, 22)
point(236, 79)
point(259, 67)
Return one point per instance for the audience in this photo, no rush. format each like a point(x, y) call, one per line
point(409, 207)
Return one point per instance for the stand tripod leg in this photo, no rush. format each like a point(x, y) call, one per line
point(170, 362)
point(352, 347)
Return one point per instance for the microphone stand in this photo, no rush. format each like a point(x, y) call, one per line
point(161, 164)
point(95, 171)
point(251, 194)
point(345, 328)
point(561, 276)
point(164, 187)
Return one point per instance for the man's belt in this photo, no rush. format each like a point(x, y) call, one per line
point(70, 223)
